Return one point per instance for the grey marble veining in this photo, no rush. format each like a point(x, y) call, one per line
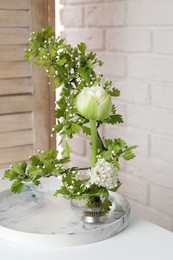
point(36, 216)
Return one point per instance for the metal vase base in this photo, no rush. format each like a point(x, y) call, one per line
point(94, 216)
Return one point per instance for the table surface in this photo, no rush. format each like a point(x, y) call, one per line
point(141, 240)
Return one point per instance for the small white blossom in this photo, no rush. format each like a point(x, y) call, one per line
point(70, 188)
point(103, 174)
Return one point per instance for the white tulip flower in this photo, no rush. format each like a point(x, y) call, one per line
point(94, 103)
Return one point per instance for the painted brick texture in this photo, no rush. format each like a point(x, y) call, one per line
point(135, 40)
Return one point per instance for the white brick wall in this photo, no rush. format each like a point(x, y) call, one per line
point(135, 40)
point(95, 14)
point(128, 40)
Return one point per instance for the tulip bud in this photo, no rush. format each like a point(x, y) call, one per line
point(94, 103)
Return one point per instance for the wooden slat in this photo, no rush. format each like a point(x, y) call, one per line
point(25, 98)
point(16, 104)
point(12, 52)
point(14, 35)
point(14, 18)
point(43, 121)
point(15, 4)
point(16, 139)
point(15, 154)
point(51, 23)
point(15, 86)
point(15, 69)
point(16, 122)
point(41, 112)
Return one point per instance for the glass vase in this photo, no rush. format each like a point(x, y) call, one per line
point(91, 215)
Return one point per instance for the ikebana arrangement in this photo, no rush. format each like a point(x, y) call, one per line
point(84, 104)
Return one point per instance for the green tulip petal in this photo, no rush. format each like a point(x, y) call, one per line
point(80, 101)
point(104, 109)
point(91, 109)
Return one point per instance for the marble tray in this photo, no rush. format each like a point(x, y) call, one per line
point(36, 217)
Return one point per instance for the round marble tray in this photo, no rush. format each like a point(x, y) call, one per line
point(36, 217)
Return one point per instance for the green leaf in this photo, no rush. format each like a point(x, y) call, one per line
point(17, 187)
point(57, 82)
point(82, 47)
point(48, 165)
point(64, 160)
point(42, 52)
point(117, 187)
point(59, 127)
point(75, 128)
point(23, 166)
point(29, 55)
point(114, 119)
point(107, 155)
point(16, 168)
point(114, 92)
point(36, 182)
point(67, 149)
point(84, 73)
point(86, 130)
point(40, 62)
point(131, 147)
point(63, 191)
point(9, 174)
point(35, 172)
point(35, 160)
point(50, 154)
point(106, 204)
point(48, 32)
point(116, 164)
point(128, 155)
point(61, 62)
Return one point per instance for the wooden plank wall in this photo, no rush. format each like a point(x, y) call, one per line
point(24, 92)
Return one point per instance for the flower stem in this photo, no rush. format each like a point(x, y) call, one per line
point(93, 141)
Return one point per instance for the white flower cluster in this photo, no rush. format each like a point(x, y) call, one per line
point(103, 174)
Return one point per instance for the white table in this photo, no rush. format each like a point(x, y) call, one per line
point(141, 240)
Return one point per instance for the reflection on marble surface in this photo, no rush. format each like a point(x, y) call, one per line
point(36, 215)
